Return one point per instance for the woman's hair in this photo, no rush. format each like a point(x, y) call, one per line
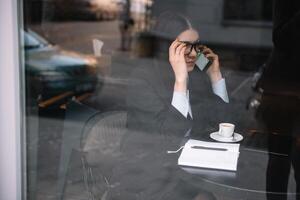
point(169, 25)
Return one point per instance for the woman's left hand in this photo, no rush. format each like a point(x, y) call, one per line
point(213, 71)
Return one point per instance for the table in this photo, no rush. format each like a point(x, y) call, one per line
point(249, 181)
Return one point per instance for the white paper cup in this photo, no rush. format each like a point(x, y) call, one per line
point(226, 130)
point(97, 46)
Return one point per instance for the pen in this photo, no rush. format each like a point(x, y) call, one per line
point(208, 148)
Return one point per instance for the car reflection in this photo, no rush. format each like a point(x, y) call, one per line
point(52, 71)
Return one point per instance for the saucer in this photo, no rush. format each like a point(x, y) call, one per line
point(217, 137)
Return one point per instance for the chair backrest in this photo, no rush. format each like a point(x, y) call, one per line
point(102, 137)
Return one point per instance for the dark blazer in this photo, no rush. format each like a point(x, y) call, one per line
point(155, 126)
point(282, 71)
point(149, 104)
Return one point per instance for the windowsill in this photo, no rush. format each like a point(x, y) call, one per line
point(246, 23)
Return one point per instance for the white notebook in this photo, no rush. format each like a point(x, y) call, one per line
point(213, 155)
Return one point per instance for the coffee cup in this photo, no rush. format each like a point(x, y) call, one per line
point(226, 130)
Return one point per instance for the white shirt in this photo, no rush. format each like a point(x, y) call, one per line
point(181, 100)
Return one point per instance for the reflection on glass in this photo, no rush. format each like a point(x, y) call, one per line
point(279, 109)
point(257, 10)
point(52, 71)
point(108, 75)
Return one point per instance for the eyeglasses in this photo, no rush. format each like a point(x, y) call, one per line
point(197, 46)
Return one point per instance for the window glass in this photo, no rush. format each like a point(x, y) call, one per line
point(258, 10)
point(172, 99)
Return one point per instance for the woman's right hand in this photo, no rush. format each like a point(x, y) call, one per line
point(177, 61)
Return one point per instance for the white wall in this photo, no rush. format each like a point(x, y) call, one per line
point(10, 160)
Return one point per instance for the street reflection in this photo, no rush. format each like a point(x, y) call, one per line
point(86, 59)
point(53, 74)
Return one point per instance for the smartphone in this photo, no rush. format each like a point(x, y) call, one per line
point(202, 62)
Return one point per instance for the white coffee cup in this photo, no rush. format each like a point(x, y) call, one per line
point(226, 129)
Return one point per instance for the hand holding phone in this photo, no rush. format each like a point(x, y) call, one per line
point(202, 62)
point(212, 68)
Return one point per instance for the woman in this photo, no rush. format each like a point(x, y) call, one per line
point(170, 96)
point(166, 104)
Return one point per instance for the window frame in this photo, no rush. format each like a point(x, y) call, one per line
point(12, 154)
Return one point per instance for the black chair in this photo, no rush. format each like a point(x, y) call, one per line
point(100, 151)
point(76, 116)
point(96, 136)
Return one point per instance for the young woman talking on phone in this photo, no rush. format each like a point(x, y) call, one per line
point(169, 100)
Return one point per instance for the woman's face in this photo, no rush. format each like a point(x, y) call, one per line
point(190, 35)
